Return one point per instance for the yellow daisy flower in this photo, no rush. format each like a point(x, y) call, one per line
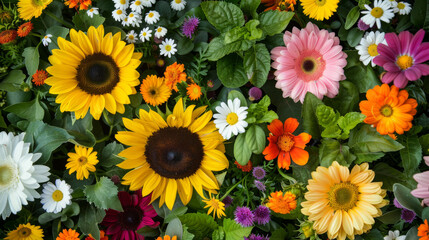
point(319, 9)
point(93, 72)
point(82, 162)
point(343, 203)
point(154, 90)
point(31, 8)
point(26, 232)
point(216, 206)
point(172, 156)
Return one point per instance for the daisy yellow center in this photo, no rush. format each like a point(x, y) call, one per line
point(119, 12)
point(178, 1)
point(82, 160)
point(131, 15)
point(123, 1)
point(144, 33)
point(343, 196)
point(320, 2)
point(372, 50)
point(137, 3)
point(386, 111)
point(285, 142)
point(195, 90)
point(6, 175)
point(91, 10)
point(151, 15)
point(46, 37)
point(232, 118)
point(168, 48)
point(404, 62)
point(159, 29)
point(57, 195)
point(377, 12)
point(24, 232)
point(309, 65)
point(401, 5)
point(131, 37)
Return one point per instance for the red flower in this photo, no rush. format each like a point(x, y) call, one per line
point(25, 29)
point(246, 168)
point(7, 36)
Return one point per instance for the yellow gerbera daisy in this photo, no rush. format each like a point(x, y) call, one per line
point(93, 72)
point(174, 155)
point(82, 162)
point(216, 206)
point(194, 91)
point(343, 203)
point(319, 9)
point(31, 8)
point(154, 90)
point(26, 232)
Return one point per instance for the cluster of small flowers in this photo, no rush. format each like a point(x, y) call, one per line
point(383, 10)
point(245, 217)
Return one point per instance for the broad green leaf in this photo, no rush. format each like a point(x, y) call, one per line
point(231, 72)
point(187, 235)
point(175, 214)
point(174, 228)
point(350, 121)
point(89, 218)
point(408, 201)
point(363, 77)
point(411, 155)
point(273, 22)
point(31, 59)
point(199, 224)
point(104, 194)
point(332, 131)
point(258, 112)
point(354, 36)
point(254, 32)
point(236, 94)
point(331, 150)
point(250, 6)
point(255, 139)
point(234, 231)
point(352, 17)
point(217, 48)
point(47, 217)
point(31, 111)
point(424, 142)
point(223, 15)
point(367, 139)
point(56, 31)
point(184, 46)
point(109, 155)
point(425, 213)
point(257, 64)
point(13, 81)
point(391, 217)
point(388, 175)
point(368, 156)
point(218, 234)
point(419, 13)
point(326, 116)
point(347, 99)
point(310, 122)
point(242, 151)
point(82, 21)
point(164, 9)
point(235, 34)
point(412, 234)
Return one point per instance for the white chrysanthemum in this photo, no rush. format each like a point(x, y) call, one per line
point(137, 6)
point(119, 15)
point(131, 37)
point(134, 19)
point(403, 8)
point(178, 5)
point(46, 39)
point(394, 235)
point(145, 34)
point(230, 119)
point(367, 49)
point(121, 4)
point(92, 11)
point(152, 17)
point(168, 47)
point(160, 32)
point(148, 3)
point(56, 197)
point(380, 12)
point(19, 178)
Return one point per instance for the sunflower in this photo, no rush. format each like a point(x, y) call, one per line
point(154, 90)
point(174, 155)
point(319, 9)
point(82, 162)
point(31, 8)
point(343, 203)
point(26, 232)
point(93, 72)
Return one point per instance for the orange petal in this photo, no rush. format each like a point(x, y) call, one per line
point(284, 160)
point(299, 156)
point(291, 124)
point(301, 140)
point(276, 127)
point(271, 151)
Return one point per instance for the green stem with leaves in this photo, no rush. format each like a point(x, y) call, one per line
point(232, 188)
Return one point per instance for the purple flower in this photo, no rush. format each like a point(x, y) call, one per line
point(256, 237)
point(408, 215)
point(362, 26)
point(260, 185)
point(227, 201)
point(397, 204)
point(255, 94)
point(262, 215)
point(244, 216)
point(189, 26)
point(403, 57)
point(258, 173)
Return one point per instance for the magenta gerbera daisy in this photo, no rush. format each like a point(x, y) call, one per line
point(312, 61)
point(138, 213)
point(403, 57)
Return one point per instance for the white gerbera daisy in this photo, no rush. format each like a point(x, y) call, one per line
point(145, 34)
point(125, 22)
point(92, 11)
point(131, 37)
point(178, 5)
point(121, 4)
point(137, 6)
point(56, 197)
point(367, 49)
point(119, 15)
point(392, 2)
point(230, 119)
point(19, 178)
point(160, 32)
point(380, 12)
point(148, 3)
point(152, 17)
point(168, 47)
point(394, 235)
point(46, 39)
point(134, 19)
point(403, 8)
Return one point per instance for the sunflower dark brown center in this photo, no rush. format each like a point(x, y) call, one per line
point(131, 218)
point(24, 232)
point(97, 74)
point(174, 152)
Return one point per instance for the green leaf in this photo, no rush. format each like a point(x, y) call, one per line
point(175, 214)
point(309, 117)
point(388, 175)
point(350, 121)
point(218, 234)
point(13, 81)
point(184, 46)
point(411, 155)
point(367, 139)
point(234, 231)
point(253, 31)
point(354, 36)
point(368, 156)
point(347, 99)
point(187, 235)
point(352, 17)
point(408, 201)
point(250, 6)
point(236, 94)
point(363, 77)
point(47, 217)
point(89, 219)
point(331, 150)
point(332, 131)
point(235, 34)
point(223, 15)
point(425, 213)
point(82, 21)
point(257, 64)
point(326, 116)
point(231, 72)
point(56, 31)
point(424, 142)
point(31, 111)
point(391, 217)
point(255, 139)
point(412, 234)
point(199, 224)
point(31, 59)
point(217, 48)
point(104, 194)
point(174, 228)
point(109, 155)
point(242, 151)
point(419, 13)
point(273, 22)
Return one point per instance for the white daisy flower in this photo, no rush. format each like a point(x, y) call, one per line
point(19, 178)
point(131, 37)
point(137, 6)
point(92, 11)
point(148, 3)
point(367, 48)
point(121, 4)
point(145, 34)
point(160, 32)
point(125, 22)
point(46, 39)
point(134, 19)
point(119, 15)
point(230, 119)
point(152, 17)
point(403, 8)
point(380, 12)
point(394, 236)
point(168, 47)
point(178, 5)
point(56, 197)
point(392, 2)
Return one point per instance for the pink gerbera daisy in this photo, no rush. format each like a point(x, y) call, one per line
point(403, 57)
point(312, 61)
point(422, 179)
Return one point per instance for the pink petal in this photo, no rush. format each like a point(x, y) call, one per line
point(416, 41)
point(412, 73)
point(389, 77)
point(391, 67)
point(400, 81)
point(393, 42)
point(386, 51)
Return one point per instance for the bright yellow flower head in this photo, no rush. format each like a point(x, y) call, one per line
point(154, 90)
point(26, 232)
point(319, 9)
point(216, 206)
point(82, 162)
point(280, 203)
point(31, 8)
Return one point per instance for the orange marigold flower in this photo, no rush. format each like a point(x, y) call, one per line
point(166, 237)
point(68, 235)
point(7, 36)
point(39, 77)
point(25, 29)
point(280, 203)
point(388, 109)
point(246, 168)
point(194, 91)
point(102, 236)
point(285, 145)
point(174, 74)
point(423, 231)
point(82, 4)
point(281, 5)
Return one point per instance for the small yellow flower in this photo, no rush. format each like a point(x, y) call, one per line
point(26, 232)
point(82, 162)
point(216, 206)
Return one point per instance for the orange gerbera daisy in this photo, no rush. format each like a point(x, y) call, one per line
point(102, 236)
point(7, 36)
point(246, 168)
point(166, 237)
point(82, 4)
point(423, 231)
point(194, 91)
point(285, 145)
point(25, 29)
point(68, 235)
point(282, 5)
point(280, 203)
point(174, 74)
point(388, 109)
point(39, 77)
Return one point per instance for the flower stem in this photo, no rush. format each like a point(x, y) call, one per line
point(232, 188)
point(291, 179)
point(58, 19)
